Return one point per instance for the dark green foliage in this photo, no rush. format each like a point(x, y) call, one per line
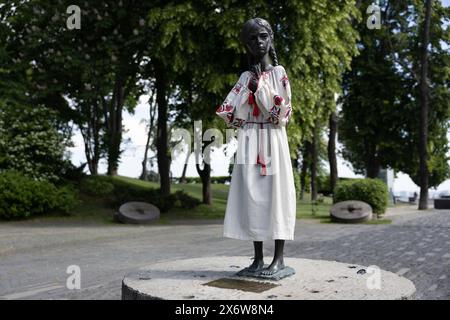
point(323, 184)
point(22, 197)
point(185, 201)
point(372, 191)
point(72, 173)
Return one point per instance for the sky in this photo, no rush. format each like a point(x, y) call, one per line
point(135, 132)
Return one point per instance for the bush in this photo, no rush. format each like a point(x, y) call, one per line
point(66, 198)
point(22, 197)
point(372, 191)
point(323, 184)
point(186, 201)
point(30, 142)
point(72, 173)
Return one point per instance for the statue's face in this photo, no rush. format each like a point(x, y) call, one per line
point(258, 41)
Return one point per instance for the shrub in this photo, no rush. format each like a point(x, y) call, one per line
point(66, 199)
point(72, 173)
point(323, 184)
point(186, 201)
point(21, 196)
point(372, 191)
point(30, 142)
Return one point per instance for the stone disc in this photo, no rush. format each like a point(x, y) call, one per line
point(138, 213)
point(214, 277)
point(351, 211)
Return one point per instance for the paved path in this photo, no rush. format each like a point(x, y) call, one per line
point(34, 256)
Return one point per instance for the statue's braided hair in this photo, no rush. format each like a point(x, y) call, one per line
point(247, 27)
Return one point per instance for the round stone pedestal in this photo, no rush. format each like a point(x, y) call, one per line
point(215, 278)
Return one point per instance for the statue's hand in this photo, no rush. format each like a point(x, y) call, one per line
point(256, 70)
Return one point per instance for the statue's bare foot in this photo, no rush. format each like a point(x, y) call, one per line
point(275, 266)
point(257, 265)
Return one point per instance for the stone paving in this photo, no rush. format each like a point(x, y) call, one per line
point(34, 256)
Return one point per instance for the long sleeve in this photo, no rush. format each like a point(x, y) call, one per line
point(232, 110)
point(275, 102)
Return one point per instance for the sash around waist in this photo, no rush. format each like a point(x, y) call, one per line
point(256, 122)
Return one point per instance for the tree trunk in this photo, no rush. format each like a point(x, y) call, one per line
point(96, 134)
point(314, 159)
point(186, 161)
point(183, 175)
point(424, 92)
point(205, 174)
point(144, 174)
point(373, 171)
point(373, 166)
point(91, 137)
point(332, 151)
point(162, 136)
point(304, 169)
point(114, 133)
point(144, 161)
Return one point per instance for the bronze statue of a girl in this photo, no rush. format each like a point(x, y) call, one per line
point(261, 202)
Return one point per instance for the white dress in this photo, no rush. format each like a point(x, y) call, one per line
point(261, 201)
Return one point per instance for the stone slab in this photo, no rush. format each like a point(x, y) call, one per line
point(314, 280)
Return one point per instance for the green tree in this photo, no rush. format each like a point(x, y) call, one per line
point(379, 124)
point(90, 75)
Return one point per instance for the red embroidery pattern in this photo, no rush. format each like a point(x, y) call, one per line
point(225, 107)
point(288, 112)
point(237, 122)
point(275, 114)
point(278, 100)
point(237, 88)
point(285, 81)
